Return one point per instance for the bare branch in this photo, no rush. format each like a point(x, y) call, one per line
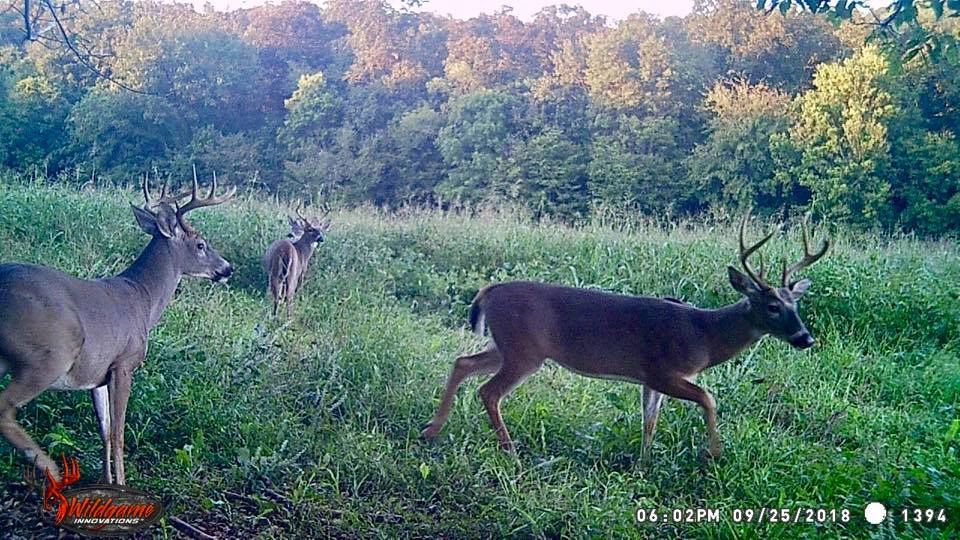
point(80, 57)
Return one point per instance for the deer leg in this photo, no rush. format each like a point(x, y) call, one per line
point(291, 292)
point(651, 411)
point(101, 405)
point(21, 390)
point(121, 378)
point(464, 367)
point(684, 389)
point(511, 374)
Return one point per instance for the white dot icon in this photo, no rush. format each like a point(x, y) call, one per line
point(875, 513)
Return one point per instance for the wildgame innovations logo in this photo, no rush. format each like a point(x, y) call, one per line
point(96, 509)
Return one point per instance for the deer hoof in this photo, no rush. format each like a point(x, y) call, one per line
point(711, 453)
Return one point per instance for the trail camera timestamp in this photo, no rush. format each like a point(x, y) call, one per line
point(678, 515)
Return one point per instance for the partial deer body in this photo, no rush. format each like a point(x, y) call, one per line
point(286, 260)
point(64, 333)
point(660, 343)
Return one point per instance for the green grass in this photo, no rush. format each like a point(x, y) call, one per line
point(326, 410)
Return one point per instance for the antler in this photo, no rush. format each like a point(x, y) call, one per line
point(321, 224)
point(196, 202)
point(30, 477)
point(71, 470)
point(71, 473)
point(745, 253)
point(150, 202)
point(808, 258)
point(209, 200)
point(299, 215)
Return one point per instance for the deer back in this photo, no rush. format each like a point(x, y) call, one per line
point(283, 265)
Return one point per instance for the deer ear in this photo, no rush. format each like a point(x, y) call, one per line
point(163, 223)
point(739, 281)
point(296, 226)
point(798, 288)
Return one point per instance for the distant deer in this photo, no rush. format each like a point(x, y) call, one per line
point(660, 343)
point(63, 333)
point(287, 259)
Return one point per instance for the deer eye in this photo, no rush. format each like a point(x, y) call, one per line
point(201, 246)
point(773, 308)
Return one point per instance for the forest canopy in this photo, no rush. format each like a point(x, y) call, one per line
point(565, 114)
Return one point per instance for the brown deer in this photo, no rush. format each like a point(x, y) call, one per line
point(661, 344)
point(63, 333)
point(287, 259)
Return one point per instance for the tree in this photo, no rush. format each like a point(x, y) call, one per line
point(314, 112)
point(548, 173)
point(122, 134)
point(774, 48)
point(628, 67)
point(291, 39)
point(388, 47)
point(928, 190)
point(838, 144)
point(902, 22)
point(32, 113)
point(635, 163)
point(207, 73)
point(734, 167)
point(479, 129)
point(95, 33)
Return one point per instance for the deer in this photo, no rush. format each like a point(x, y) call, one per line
point(286, 260)
point(662, 344)
point(59, 332)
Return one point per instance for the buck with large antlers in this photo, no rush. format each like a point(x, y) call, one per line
point(287, 259)
point(660, 343)
point(63, 333)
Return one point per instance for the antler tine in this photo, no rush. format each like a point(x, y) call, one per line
point(163, 198)
point(30, 477)
point(745, 253)
point(808, 258)
point(210, 200)
point(297, 210)
point(146, 190)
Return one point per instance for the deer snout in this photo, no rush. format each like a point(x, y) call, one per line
point(223, 273)
point(802, 340)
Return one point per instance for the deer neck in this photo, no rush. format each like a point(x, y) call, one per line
point(305, 250)
point(730, 331)
point(155, 275)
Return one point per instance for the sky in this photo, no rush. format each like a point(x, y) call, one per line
point(524, 9)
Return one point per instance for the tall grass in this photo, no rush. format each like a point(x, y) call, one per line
point(232, 406)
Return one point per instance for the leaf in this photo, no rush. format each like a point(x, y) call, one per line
point(424, 470)
point(952, 431)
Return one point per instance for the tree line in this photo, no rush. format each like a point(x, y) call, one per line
point(566, 114)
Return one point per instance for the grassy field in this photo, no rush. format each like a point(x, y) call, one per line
point(232, 407)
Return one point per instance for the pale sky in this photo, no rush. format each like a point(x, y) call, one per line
point(524, 9)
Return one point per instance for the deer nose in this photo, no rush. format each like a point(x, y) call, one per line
point(803, 341)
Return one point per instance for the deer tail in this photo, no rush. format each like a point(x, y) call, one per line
point(477, 318)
